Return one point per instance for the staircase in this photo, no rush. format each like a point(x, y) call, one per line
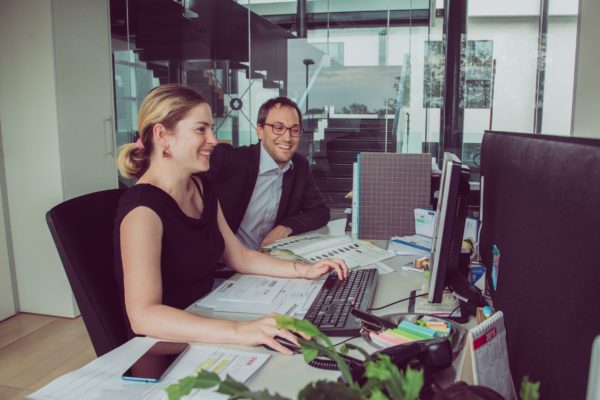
point(196, 45)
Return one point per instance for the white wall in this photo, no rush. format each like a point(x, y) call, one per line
point(586, 106)
point(7, 295)
point(32, 158)
point(53, 130)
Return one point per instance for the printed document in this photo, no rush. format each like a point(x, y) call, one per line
point(420, 242)
point(101, 378)
point(262, 295)
point(315, 247)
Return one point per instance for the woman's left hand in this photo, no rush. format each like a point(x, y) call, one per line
point(313, 271)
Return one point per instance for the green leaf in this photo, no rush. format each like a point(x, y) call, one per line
point(303, 326)
point(386, 373)
point(327, 351)
point(232, 387)
point(326, 390)
point(343, 350)
point(203, 380)
point(377, 394)
point(187, 384)
point(380, 369)
point(412, 384)
point(377, 371)
point(310, 354)
point(370, 386)
point(174, 392)
point(529, 390)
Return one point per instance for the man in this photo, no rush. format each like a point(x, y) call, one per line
point(266, 190)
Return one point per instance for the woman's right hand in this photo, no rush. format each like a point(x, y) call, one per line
point(320, 268)
point(263, 331)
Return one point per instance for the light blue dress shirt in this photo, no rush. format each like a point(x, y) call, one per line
point(264, 203)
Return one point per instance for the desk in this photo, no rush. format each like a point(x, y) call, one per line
point(286, 375)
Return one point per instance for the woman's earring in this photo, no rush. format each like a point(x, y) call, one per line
point(166, 153)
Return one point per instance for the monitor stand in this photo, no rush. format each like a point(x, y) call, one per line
point(449, 304)
point(469, 295)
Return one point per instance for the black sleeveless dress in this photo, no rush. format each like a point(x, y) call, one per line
point(191, 247)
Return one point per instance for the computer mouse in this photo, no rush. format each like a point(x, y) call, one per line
point(285, 343)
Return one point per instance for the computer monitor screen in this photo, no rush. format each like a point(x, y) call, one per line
point(449, 226)
point(540, 225)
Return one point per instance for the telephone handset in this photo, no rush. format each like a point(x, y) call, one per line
point(433, 355)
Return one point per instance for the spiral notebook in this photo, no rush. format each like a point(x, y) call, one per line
point(484, 360)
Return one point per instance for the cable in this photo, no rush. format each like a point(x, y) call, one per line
point(396, 302)
point(346, 340)
point(455, 309)
point(326, 363)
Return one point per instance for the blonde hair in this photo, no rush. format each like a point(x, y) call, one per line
point(167, 105)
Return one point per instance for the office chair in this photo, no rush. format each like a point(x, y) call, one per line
point(82, 229)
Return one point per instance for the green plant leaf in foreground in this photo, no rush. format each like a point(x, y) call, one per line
point(377, 394)
point(383, 373)
point(412, 383)
point(309, 354)
point(232, 387)
point(383, 378)
point(326, 390)
point(202, 380)
point(304, 326)
point(529, 390)
point(311, 349)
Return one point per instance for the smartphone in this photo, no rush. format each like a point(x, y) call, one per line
point(155, 362)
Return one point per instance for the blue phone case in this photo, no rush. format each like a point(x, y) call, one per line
point(135, 379)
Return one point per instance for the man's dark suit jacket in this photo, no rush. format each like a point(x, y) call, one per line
point(234, 172)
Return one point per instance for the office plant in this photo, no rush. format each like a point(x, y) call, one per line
point(383, 379)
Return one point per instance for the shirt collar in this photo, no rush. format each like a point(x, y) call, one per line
point(268, 164)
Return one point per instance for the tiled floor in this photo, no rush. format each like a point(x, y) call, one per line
point(35, 349)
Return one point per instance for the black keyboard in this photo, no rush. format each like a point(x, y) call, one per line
point(330, 310)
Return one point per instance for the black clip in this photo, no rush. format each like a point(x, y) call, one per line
point(372, 323)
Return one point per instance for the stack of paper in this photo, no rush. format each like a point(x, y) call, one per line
point(315, 247)
point(262, 295)
point(421, 242)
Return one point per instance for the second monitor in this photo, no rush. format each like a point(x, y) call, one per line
point(445, 263)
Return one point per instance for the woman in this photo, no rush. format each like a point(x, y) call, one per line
point(170, 231)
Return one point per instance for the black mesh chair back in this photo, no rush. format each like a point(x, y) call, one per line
point(82, 229)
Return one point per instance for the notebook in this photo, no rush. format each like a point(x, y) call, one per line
point(390, 187)
point(484, 361)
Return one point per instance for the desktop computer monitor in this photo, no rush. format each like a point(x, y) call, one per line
point(540, 224)
point(448, 231)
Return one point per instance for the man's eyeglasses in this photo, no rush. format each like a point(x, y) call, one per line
point(280, 129)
